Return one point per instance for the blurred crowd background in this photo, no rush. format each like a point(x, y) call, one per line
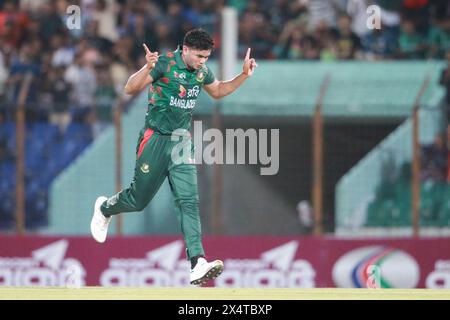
point(79, 74)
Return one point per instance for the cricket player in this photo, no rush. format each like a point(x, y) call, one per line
point(175, 80)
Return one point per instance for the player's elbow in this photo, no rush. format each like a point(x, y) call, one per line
point(216, 96)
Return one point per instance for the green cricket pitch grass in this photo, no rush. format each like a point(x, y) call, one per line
point(197, 293)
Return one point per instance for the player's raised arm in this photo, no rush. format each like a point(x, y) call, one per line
point(140, 79)
point(220, 89)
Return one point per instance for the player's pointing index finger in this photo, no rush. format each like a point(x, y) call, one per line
point(146, 48)
point(247, 55)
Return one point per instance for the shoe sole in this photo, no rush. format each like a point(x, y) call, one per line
point(212, 274)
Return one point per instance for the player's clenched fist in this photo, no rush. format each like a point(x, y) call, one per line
point(150, 57)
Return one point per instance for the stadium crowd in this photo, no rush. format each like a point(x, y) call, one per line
point(80, 72)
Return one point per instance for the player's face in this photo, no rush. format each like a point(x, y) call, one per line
point(195, 59)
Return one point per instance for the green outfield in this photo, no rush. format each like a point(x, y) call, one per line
point(122, 293)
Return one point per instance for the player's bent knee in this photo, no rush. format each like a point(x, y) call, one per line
point(140, 208)
point(140, 205)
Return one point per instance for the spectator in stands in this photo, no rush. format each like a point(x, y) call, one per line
point(380, 44)
point(60, 114)
point(12, 23)
point(448, 153)
point(119, 74)
point(27, 62)
point(445, 82)
point(326, 40)
point(50, 21)
point(439, 38)
point(415, 11)
point(311, 50)
point(390, 14)
point(347, 42)
point(3, 71)
point(295, 43)
point(434, 159)
point(62, 53)
point(254, 31)
point(163, 33)
point(122, 52)
point(82, 78)
point(291, 41)
point(143, 32)
point(94, 40)
point(411, 44)
point(439, 9)
point(4, 150)
point(357, 11)
point(105, 14)
point(105, 96)
point(323, 12)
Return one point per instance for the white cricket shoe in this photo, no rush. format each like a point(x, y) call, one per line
point(204, 271)
point(99, 223)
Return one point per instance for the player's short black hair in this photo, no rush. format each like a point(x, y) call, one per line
point(198, 39)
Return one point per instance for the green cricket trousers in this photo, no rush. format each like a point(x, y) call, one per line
point(153, 164)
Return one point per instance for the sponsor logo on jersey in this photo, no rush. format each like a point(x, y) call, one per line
point(182, 103)
point(194, 92)
point(182, 93)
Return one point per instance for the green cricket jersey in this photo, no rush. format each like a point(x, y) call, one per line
point(174, 92)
